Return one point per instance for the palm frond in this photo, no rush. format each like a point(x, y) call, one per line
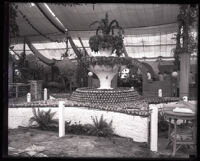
point(114, 22)
point(34, 112)
point(52, 115)
point(95, 22)
point(99, 28)
point(31, 120)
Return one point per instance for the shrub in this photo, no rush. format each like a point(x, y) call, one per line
point(76, 128)
point(101, 127)
point(43, 119)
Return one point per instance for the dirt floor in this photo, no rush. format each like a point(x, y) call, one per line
point(37, 143)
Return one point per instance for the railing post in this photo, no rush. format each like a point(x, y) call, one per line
point(61, 119)
point(17, 90)
point(28, 97)
point(45, 94)
point(154, 128)
point(159, 92)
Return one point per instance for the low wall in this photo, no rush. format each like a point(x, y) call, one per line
point(135, 127)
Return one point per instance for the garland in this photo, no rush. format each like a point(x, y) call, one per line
point(13, 27)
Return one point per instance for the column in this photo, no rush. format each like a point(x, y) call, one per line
point(184, 74)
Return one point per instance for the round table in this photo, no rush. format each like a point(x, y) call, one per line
point(170, 115)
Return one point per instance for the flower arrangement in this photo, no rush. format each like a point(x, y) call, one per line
point(107, 40)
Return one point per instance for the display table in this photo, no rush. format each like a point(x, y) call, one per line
point(170, 115)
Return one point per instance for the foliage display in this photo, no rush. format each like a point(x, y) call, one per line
point(186, 42)
point(107, 39)
point(110, 61)
point(45, 121)
point(98, 128)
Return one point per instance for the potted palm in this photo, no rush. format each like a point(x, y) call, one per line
point(106, 41)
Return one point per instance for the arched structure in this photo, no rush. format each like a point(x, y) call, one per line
point(149, 68)
point(142, 67)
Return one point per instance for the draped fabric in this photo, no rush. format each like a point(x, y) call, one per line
point(77, 52)
point(39, 55)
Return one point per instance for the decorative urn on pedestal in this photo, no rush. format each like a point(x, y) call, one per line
point(106, 44)
point(105, 65)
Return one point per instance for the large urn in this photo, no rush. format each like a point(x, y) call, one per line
point(105, 74)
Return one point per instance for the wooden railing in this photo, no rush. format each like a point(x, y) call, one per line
point(18, 89)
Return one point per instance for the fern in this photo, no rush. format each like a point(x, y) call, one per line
point(101, 127)
point(44, 120)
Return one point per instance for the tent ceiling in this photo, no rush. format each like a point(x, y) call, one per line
point(133, 17)
point(128, 15)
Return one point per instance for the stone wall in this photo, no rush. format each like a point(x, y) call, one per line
point(135, 127)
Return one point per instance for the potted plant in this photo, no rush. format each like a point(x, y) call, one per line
point(107, 41)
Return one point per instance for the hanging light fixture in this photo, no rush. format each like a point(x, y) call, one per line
point(90, 74)
point(174, 74)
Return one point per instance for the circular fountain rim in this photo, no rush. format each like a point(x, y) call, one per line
point(117, 89)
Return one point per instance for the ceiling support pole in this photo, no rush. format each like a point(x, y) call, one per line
point(86, 53)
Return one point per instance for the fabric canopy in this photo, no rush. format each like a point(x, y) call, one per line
point(149, 28)
point(134, 18)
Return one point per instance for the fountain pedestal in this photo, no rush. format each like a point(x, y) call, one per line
point(105, 74)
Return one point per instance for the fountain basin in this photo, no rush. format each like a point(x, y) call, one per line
point(101, 96)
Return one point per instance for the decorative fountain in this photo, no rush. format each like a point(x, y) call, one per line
point(106, 65)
